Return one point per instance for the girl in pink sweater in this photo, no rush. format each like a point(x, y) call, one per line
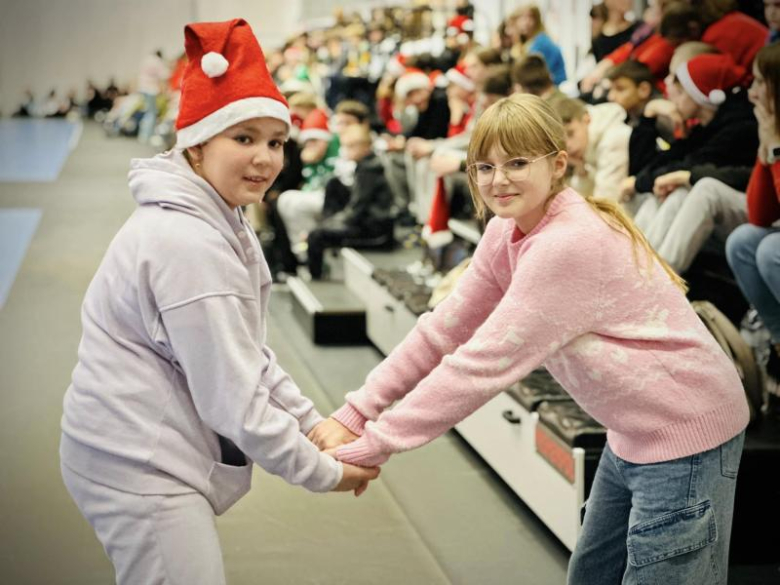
point(569, 283)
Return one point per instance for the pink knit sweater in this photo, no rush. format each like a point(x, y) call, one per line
point(572, 295)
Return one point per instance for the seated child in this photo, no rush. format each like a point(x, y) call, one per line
point(370, 208)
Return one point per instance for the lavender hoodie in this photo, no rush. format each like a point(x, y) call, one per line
point(173, 353)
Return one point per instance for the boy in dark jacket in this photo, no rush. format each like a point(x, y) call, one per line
point(369, 212)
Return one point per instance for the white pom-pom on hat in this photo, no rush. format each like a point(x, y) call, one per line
point(213, 64)
point(717, 96)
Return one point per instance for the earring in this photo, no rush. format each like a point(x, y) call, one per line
point(197, 165)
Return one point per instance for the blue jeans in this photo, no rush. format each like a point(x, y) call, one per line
point(663, 523)
point(753, 253)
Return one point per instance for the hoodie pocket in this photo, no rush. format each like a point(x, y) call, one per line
point(227, 485)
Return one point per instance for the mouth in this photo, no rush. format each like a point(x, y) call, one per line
point(504, 196)
point(255, 180)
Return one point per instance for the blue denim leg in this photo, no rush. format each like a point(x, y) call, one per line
point(753, 253)
point(600, 554)
point(663, 523)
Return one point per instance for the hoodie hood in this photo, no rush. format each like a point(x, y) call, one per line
point(168, 181)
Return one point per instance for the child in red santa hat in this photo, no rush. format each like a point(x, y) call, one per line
point(176, 393)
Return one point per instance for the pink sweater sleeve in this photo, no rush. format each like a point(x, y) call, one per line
point(436, 334)
point(552, 299)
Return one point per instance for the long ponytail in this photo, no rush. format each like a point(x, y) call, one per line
point(617, 219)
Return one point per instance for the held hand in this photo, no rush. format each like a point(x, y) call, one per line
point(667, 183)
point(329, 434)
point(419, 147)
point(356, 478)
point(661, 108)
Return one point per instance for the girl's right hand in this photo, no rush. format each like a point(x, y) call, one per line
point(356, 478)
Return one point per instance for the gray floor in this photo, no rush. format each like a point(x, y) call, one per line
point(437, 515)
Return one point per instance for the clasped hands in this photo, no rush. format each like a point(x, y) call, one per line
point(329, 435)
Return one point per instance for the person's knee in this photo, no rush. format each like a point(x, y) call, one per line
point(768, 257)
point(739, 242)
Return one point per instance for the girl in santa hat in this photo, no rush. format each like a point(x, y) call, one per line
point(568, 282)
point(176, 392)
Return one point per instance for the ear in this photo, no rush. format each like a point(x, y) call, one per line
point(560, 163)
point(644, 89)
point(195, 153)
point(586, 118)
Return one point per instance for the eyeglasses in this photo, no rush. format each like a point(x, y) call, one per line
point(515, 169)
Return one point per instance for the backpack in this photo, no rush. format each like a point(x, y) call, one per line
point(738, 351)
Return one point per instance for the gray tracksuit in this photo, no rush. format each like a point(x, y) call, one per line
point(174, 352)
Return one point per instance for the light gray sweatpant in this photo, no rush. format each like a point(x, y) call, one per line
point(679, 227)
point(151, 539)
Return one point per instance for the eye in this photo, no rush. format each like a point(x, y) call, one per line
point(276, 144)
point(484, 167)
point(516, 163)
point(243, 139)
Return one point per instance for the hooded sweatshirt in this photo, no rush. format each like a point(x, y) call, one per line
point(173, 355)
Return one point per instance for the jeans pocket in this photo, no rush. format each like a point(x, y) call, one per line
point(671, 535)
point(730, 455)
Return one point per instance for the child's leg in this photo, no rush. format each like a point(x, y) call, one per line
point(681, 515)
point(742, 255)
point(168, 539)
point(600, 555)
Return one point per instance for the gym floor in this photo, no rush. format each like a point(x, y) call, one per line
point(437, 515)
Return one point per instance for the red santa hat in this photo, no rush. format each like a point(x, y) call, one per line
point(411, 80)
point(396, 66)
point(226, 82)
point(436, 232)
point(459, 77)
point(707, 78)
point(459, 24)
point(315, 127)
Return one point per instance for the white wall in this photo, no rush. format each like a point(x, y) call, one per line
point(46, 44)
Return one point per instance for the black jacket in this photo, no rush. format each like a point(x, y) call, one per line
point(370, 203)
point(730, 139)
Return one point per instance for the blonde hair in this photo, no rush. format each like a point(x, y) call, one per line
point(526, 125)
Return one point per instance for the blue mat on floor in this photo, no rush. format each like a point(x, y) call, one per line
point(35, 150)
point(17, 227)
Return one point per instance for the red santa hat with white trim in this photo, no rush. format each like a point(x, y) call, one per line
point(707, 78)
point(226, 82)
point(459, 24)
point(411, 80)
point(315, 127)
point(459, 77)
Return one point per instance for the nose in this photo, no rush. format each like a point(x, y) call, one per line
point(499, 176)
point(262, 155)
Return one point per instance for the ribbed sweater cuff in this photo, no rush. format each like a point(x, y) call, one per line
point(362, 453)
point(349, 416)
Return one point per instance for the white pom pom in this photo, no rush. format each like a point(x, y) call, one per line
point(213, 64)
point(717, 96)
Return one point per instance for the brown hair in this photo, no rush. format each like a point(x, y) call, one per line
point(533, 9)
point(524, 124)
point(353, 108)
point(532, 74)
point(498, 80)
point(768, 64)
point(570, 109)
point(637, 72)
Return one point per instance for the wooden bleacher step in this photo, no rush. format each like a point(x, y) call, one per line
point(328, 312)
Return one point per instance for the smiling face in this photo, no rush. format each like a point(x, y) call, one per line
point(524, 200)
point(242, 162)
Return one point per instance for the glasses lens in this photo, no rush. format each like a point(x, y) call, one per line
point(516, 169)
point(482, 173)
